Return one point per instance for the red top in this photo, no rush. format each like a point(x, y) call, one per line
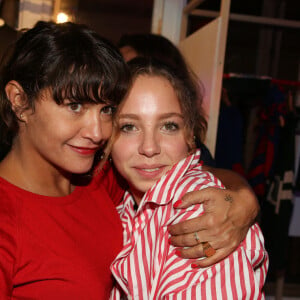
point(59, 247)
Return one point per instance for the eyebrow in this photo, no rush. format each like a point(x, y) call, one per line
point(161, 117)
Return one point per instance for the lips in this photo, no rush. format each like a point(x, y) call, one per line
point(150, 172)
point(85, 150)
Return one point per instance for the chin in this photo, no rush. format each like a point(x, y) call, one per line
point(144, 189)
point(81, 169)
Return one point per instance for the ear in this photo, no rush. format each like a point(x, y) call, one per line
point(17, 97)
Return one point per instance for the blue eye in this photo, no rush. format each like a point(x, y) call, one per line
point(171, 126)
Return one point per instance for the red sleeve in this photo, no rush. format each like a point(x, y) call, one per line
point(8, 237)
point(112, 182)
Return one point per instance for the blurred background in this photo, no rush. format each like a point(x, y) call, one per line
point(253, 93)
point(248, 50)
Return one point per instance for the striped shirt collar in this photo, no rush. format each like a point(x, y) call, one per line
point(169, 181)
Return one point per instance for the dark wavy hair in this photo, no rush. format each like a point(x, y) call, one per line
point(70, 59)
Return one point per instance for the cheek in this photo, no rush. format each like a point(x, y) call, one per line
point(177, 148)
point(106, 129)
point(121, 152)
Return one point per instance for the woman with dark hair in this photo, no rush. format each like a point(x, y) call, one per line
point(59, 89)
point(157, 124)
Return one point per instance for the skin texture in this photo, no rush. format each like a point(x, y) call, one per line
point(51, 139)
point(151, 129)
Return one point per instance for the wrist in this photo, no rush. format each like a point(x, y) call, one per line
point(244, 209)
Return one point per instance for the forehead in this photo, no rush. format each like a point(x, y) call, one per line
point(151, 95)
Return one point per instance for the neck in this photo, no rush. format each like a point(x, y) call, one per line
point(32, 177)
point(137, 195)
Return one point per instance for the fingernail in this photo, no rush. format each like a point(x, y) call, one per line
point(194, 266)
point(178, 253)
point(169, 241)
point(177, 203)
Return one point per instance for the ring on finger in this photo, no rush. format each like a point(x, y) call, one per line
point(208, 249)
point(196, 236)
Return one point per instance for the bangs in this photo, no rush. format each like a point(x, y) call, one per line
point(88, 84)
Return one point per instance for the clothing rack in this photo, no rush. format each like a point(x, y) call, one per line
point(280, 82)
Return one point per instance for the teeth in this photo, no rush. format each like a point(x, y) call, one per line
point(150, 170)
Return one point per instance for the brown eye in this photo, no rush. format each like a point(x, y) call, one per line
point(127, 128)
point(108, 110)
point(171, 126)
point(76, 107)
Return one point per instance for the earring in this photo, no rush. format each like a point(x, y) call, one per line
point(21, 116)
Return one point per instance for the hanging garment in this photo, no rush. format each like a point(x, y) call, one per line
point(229, 147)
point(265, 154)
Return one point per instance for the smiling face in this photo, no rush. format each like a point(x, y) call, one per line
point(151, 135)
point(65, 136)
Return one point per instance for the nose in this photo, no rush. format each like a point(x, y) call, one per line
point(149, 145)
point(96, 129)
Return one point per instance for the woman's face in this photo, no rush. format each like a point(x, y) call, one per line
point(151, 133)
point(65, 136)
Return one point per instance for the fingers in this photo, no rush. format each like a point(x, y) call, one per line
point(188, 226)
point(217, 257)
point(188, 239)
point(197, 251)
point(192, 252)
point(208, 225)
point(195, 197)
point(204, 261)
point(208, 249)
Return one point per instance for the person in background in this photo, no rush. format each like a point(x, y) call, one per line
point(223, 231)
point(157, 124)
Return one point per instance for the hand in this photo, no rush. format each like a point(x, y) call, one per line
point(224, 224)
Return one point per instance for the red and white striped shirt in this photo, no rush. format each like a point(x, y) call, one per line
point(148, 268)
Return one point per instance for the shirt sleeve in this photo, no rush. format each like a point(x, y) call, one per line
point(8, 246)
point(241, 275)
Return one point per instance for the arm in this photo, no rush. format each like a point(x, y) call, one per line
point(228, 215)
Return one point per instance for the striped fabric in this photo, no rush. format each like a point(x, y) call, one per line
point(148, 268)
point(32, 11)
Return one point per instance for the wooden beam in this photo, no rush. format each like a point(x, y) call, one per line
point(192, 5)
point(249, 18)
point(56, 8)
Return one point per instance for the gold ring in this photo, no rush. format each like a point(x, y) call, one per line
point(196, 236)
point(208, 249)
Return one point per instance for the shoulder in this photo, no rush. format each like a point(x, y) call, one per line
point(8, 203)
point(9, 215)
